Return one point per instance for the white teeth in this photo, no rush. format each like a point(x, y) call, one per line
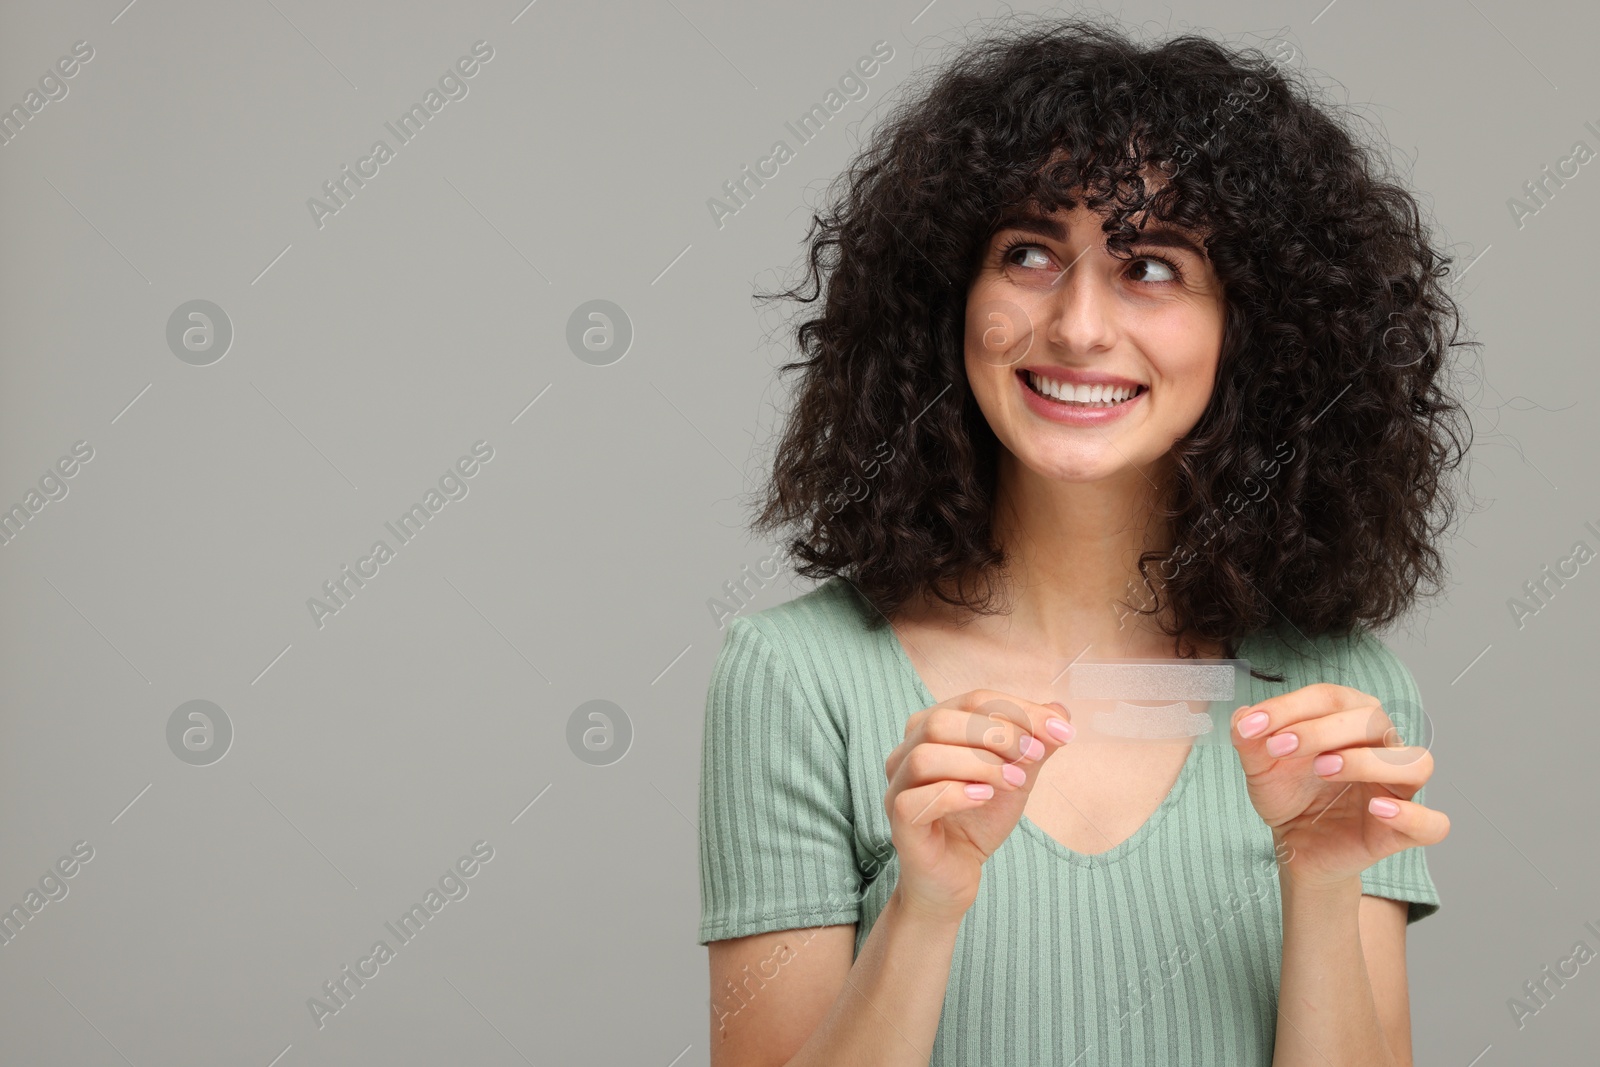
point(1103, 395)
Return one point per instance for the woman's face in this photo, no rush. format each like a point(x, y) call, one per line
point(1050, 302)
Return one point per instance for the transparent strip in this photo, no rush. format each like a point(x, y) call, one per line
point(1153, 700)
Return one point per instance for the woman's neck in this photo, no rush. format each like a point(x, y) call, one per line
point(1073, 577)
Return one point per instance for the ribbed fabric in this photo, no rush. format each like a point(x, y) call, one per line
point(1166, 949)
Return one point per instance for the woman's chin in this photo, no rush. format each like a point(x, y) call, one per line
point(1095, 457)
point(1083, 469)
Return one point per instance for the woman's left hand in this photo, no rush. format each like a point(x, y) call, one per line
point(1325, 774)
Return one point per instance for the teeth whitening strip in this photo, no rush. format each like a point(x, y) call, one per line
point(1155, 699)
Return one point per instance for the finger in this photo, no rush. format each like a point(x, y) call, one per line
point(1412, 824)
point(996, 736)
point(1307, 702)
point(1013, 729)
point(930, 762)
point(1252, 726)
point(1330, 732)
point(999, 728)
point(973, 699)
point(944, 725)
point(1403, 770)
point(1050, 724)
point(927, 803)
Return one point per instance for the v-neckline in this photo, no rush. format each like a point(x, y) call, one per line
point(1116, 852)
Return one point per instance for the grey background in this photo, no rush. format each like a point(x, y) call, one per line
point(432, 711)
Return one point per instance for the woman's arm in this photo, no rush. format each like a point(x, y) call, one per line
point(957, 786)
point(1325, 774)
point(1383, 943)
point(793, 999)
point(1342, 995)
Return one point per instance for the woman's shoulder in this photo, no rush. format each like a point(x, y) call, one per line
point(824, 646)
point(1358, 658)
point(1285, 647)
point(830, 614)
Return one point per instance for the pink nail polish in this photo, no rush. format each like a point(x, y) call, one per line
point(979, 790)
point(1282, 744)
point(1388, 809)
point(1013, 774)
point(1253, 724)
point(1060, 729)
point(1032, 747)
point(1327, 763)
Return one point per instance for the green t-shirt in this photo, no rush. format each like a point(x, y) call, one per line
point(1166, 949)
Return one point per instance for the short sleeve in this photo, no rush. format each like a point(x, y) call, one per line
point(776, 838)
point(1404, 875)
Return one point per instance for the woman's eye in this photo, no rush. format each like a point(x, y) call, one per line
point(1164, 273)
point(1040, 259)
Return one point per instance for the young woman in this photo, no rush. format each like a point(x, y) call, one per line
point(1122, 351)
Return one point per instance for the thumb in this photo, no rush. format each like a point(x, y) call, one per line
point(1249, 729)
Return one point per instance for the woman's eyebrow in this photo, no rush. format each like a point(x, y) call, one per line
point(1168, 237)
point(1158, 236)
point(1041, 225)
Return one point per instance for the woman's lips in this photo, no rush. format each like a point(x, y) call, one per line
point(1072, 414)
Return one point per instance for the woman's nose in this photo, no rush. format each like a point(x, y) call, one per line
point(1081, 309)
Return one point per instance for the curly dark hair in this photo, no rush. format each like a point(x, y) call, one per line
point(1337, 328)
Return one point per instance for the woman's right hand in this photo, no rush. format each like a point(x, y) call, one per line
point(984, 742)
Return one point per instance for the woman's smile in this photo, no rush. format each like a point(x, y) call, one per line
point(1076, 399)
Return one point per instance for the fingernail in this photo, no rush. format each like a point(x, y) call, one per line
point(979, 791)
point(1282, 744)
point(1253, 724)
point(1060, 729)
point(1386, 808)
point(1032, 747)
point(1327, 763)
point(1013, 774)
